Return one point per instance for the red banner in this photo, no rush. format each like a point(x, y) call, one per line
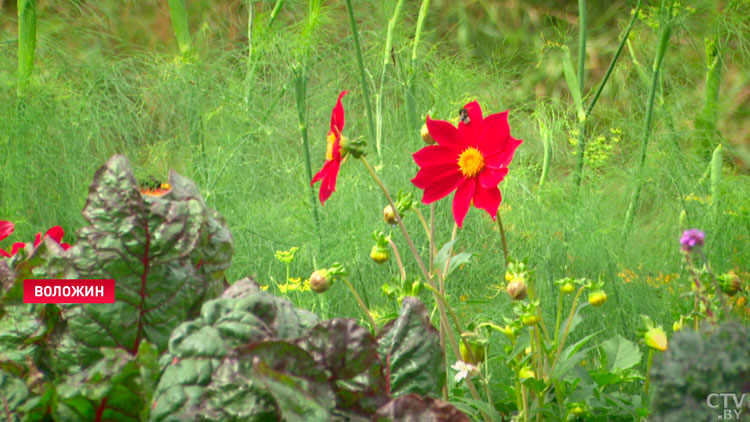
point(68, 291)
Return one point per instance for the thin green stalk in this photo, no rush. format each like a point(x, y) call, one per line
point(567, 329)
point(178, 12)
point(716, 162)
point(386, 62)
point(300, 88)
point(559, 314)
point(502, 237)
point(361, 304)
point(582, 30)
point(362, 74)
point(411, 112)
point(439, 299)
point(666, 30)
point(546, 142)
point(705, 122)
point(26, 44)
point(615, 58)
point(249, 68)
point(648, 369)
point(274, 12)
point(398, 259)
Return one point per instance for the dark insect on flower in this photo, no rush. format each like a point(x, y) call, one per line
point(464, 116)
point(153, 187)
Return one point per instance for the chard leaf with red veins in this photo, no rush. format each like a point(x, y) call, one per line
point(409, 348)
point(167, 254)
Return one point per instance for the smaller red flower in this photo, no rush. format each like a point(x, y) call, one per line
point(471, 159)
point(6, 228)
point(330, 171)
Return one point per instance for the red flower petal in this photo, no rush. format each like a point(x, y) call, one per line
point(427, 175)
point(6, 229)
point(322, 173)
point(488, 199)
point(504, 157)
point(492, 177)
point(4, 254)
point(65, 246)
point(337, 115)
point(440, 188)
point(328, 186)
point(494, 134)
point(16, 247)
point(435, 155)
point(445, 134)
point(37, 239)
point(462, 200)
point(55, 233)
point(472, 131)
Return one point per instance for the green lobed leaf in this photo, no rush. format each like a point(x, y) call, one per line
point(409, 348)
point(621, 353)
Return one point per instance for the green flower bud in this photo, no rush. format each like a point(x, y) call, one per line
point(656, 339)
point(517, 289)
point(320, 281)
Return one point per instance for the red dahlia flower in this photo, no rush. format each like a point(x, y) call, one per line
point(330, 170)
point(471, 159)
point(6, 228)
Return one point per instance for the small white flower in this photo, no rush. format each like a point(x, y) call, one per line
point(464, 369)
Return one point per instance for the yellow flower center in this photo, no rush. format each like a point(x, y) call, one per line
point(330, 140)
point(471, 162)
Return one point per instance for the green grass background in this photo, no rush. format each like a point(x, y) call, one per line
point(108, 79)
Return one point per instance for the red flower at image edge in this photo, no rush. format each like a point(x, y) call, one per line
point(471, 159)
point(6, 228)
point(330, 171)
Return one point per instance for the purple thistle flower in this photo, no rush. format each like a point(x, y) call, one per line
point(692, 238)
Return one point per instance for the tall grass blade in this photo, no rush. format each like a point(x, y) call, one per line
point(178, 12)
point(664, 35)
point(362, 74)
point(411, 112)
point(386, 62)
point(26, 44)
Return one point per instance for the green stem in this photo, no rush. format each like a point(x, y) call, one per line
point(26, 44)
point(582, 30)
point(439, 299)
point(615, 58)
point(546, 142)
point(582, 27)
point(300, 88)
point(648, 369)
point(386, 62)
point(411, 113)
point(249, 68)
point(398, 260)
point(559, 315)
point(178, 12)
point(362, 74)
point(502, 237)
point(274, 12)
point(658, 60)
point(567, 329)
point(361, 304)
